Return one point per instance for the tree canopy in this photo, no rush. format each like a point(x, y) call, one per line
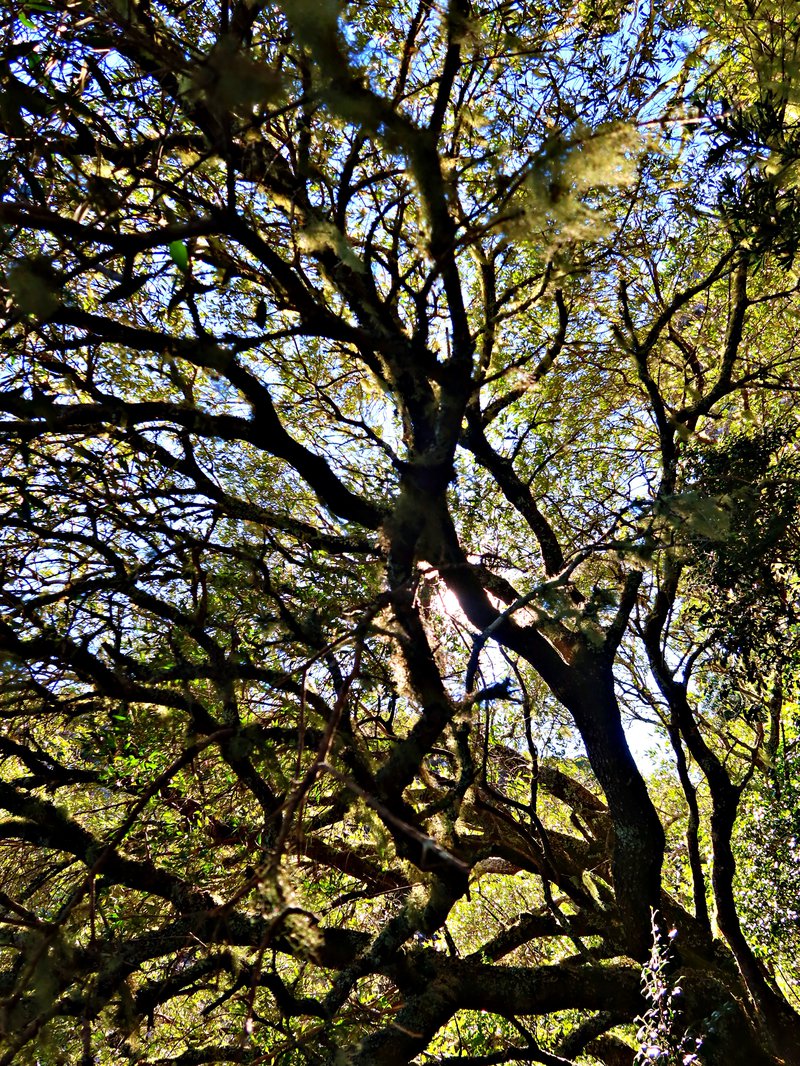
point(399, 558)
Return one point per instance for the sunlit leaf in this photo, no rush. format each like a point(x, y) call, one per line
point(180, 254)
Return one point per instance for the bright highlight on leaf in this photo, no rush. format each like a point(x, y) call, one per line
point(180, 254)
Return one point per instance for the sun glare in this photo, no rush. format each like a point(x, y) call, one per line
point(448, 602)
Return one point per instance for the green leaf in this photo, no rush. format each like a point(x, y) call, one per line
point(23, 18)
point(180, 255)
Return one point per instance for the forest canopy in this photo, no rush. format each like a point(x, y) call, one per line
point(400, 551)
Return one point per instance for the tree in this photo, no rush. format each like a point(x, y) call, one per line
point(396, 399)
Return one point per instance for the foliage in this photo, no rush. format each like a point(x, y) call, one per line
point(659, 1036)
point(767, 846)
point(748, 577)
point(397, 422)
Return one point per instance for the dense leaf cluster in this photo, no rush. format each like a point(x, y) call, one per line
point(749, 577)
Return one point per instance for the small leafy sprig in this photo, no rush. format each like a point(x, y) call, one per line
point(659, 1037)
